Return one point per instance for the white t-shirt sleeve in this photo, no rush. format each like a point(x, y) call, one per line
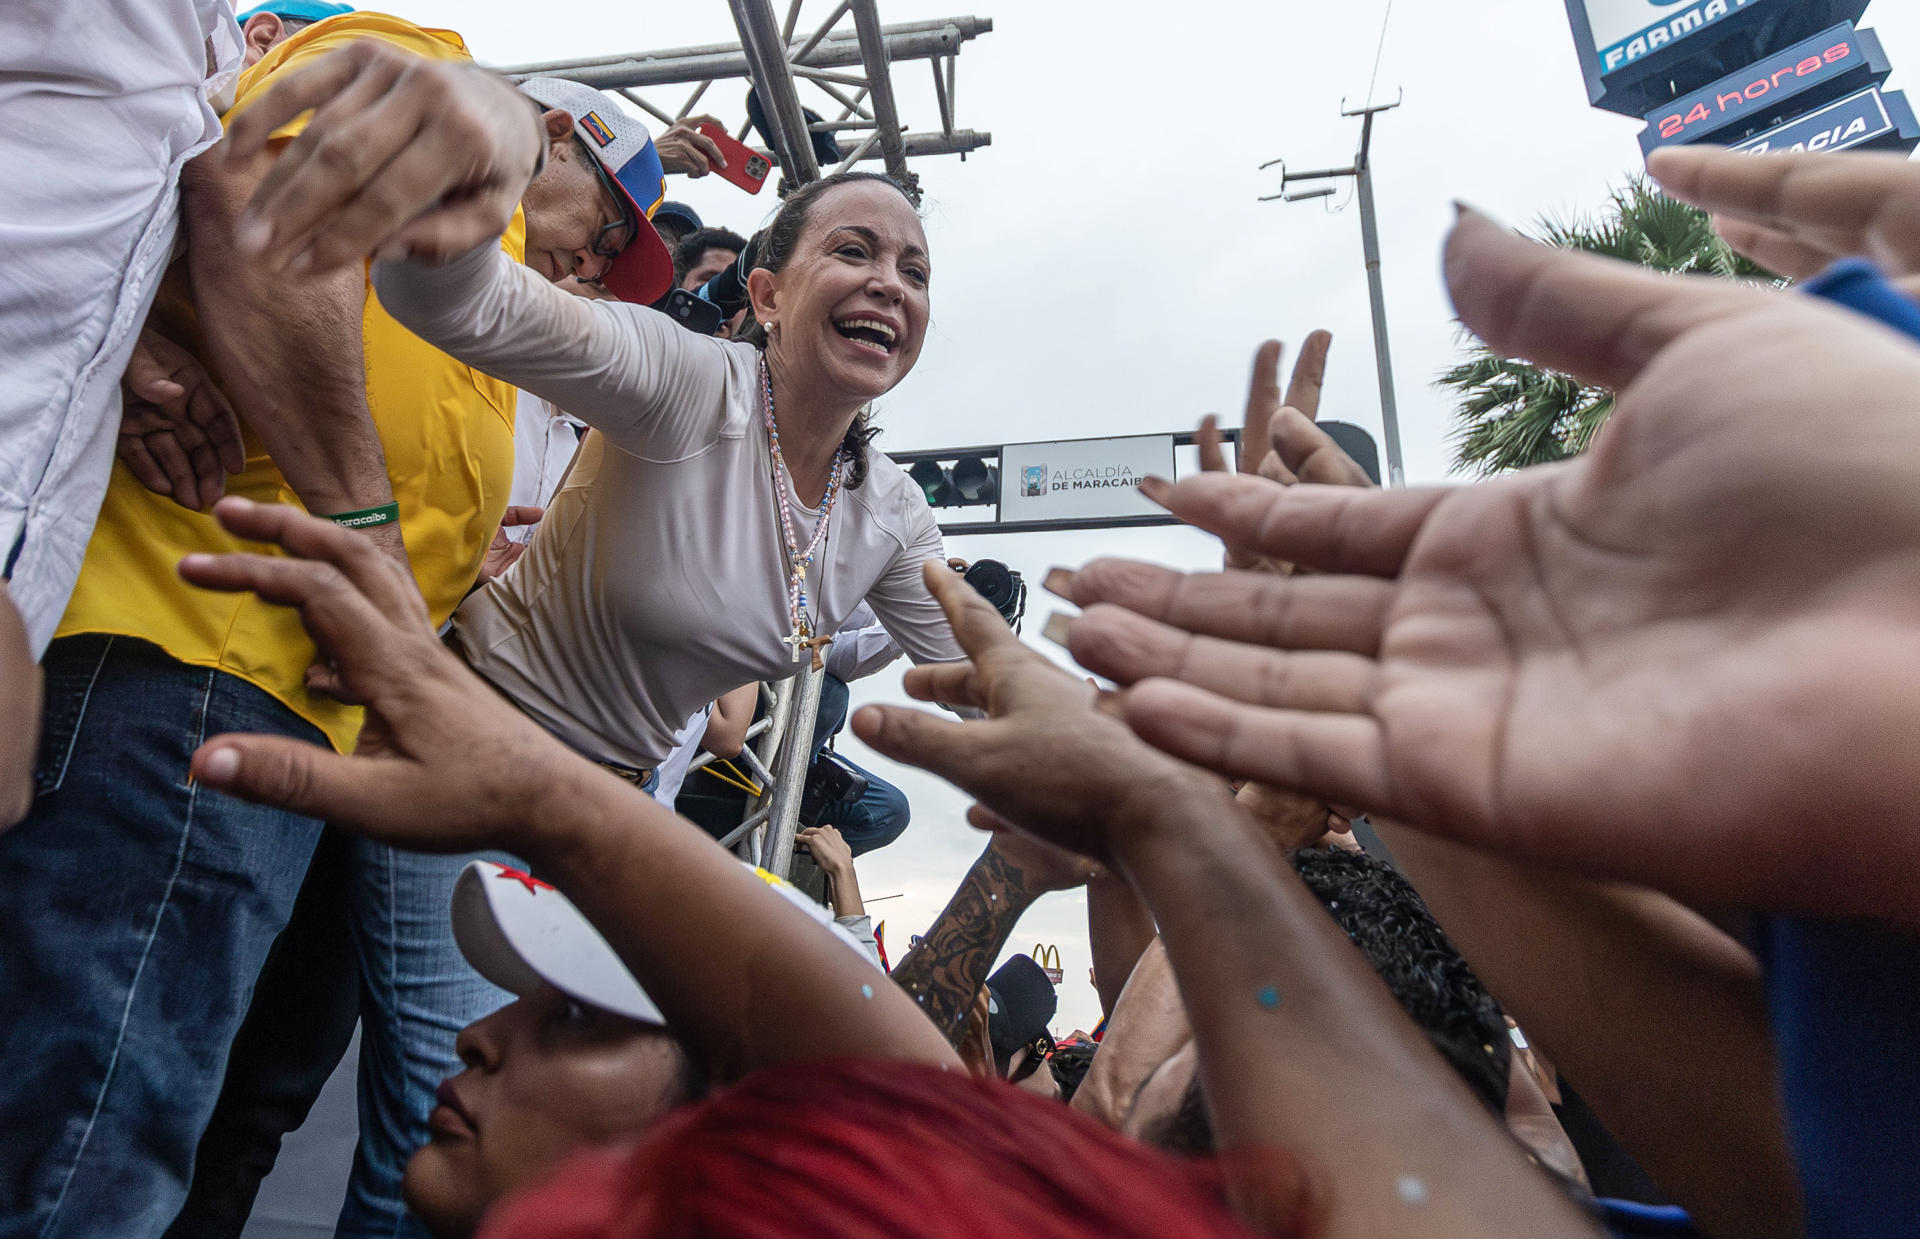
point(652, 387)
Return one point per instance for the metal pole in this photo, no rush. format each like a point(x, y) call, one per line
point(767, 63)
point(1370, 247)
point(790, 772)
point(873, 50)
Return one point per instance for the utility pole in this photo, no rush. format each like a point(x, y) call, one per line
point(1362, 174)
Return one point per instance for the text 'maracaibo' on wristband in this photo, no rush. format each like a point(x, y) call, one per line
point(367, 518)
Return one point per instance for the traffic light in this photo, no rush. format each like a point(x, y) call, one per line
point(933, 483)
point(971, 482)
point(1356, 443)
point(975, 481)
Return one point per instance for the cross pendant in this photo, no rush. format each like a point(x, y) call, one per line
point(797, 642)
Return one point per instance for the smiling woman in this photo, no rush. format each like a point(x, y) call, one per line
point(723, 517)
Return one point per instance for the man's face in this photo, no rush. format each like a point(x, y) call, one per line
point(545, 1077)
point(713, 260)
point(567, 207)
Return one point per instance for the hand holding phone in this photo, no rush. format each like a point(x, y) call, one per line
point(745, 166)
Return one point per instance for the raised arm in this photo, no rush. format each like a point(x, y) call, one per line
point(946, 970)
point(465, 772)
point(1655, 1015)
point(1329, 1095)
point(287, 351)
point(649, 385)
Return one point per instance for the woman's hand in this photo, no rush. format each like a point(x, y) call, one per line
point(458, 769)
point(1673, 660)
point(403, 155)
point(1045, 759)
point(1796, 213)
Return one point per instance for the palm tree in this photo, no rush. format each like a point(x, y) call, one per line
point(1513, 413)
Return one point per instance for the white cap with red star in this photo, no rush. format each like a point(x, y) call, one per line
point(519, 933)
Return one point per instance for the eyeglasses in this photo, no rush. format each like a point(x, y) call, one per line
point(602, 247)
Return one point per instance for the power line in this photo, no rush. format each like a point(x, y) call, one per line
point(1378, 48)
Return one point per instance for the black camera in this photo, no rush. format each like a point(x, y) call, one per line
point(831, 782)
point(1001, 586)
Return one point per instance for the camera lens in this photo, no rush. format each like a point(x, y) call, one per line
point(999, 585)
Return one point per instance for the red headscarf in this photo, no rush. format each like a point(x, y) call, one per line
point(874, 1150)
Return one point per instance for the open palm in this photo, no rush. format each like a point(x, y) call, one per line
point(1681, 659)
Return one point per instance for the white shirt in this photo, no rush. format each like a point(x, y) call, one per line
point(544, 440)
point(658, 578)
point(861, 647)
point(101, 105)
point(672, 770)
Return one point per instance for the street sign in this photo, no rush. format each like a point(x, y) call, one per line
point(1081, 479)
point(1865, 117)
point(1811, 71)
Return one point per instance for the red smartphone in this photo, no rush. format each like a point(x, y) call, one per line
point(746, 167)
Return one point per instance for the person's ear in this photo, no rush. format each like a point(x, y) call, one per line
point(763, 293)
point(262, 31)
point(559, 123)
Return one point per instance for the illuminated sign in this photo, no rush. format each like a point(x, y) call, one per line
point(1832, 59)
point(1628, 30)
point(1862, 117)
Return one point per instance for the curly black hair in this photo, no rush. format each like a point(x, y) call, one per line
point(1385, 917)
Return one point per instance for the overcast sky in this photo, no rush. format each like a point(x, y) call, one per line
point(1104, 268)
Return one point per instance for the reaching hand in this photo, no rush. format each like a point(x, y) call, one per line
point(178, 434)
point(1673, 660)
point(503, 552)
point(1267, 420)
point(1045, 760)
point(684, 149)
point(457, 767)
point(403, 155)
point(1796, 213)
point(828, 849)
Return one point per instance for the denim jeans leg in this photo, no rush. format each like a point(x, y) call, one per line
point(876, 819)
point(417, 993)
point(296, 1030)
point(138, 910)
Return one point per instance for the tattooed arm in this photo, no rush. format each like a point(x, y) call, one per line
point(946, 970)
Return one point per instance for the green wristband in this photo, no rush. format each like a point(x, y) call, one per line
point(367, 518)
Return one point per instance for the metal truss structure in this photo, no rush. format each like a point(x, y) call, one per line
point(850, 68)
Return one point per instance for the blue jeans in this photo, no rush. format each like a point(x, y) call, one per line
point(416, 993)
point(881, 814)
point(370, 942)
point(136, 909)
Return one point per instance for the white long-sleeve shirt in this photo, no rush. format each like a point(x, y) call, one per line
point(658, 579)
point(101, 105)
point(861, 647)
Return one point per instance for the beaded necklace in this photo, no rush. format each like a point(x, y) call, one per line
point(798, 563)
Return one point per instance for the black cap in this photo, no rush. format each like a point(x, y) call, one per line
point(1020, 1002)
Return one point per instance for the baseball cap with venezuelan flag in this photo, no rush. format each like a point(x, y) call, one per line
point(643, 272)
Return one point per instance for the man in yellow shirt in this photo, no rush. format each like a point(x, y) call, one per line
point(140, 907)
